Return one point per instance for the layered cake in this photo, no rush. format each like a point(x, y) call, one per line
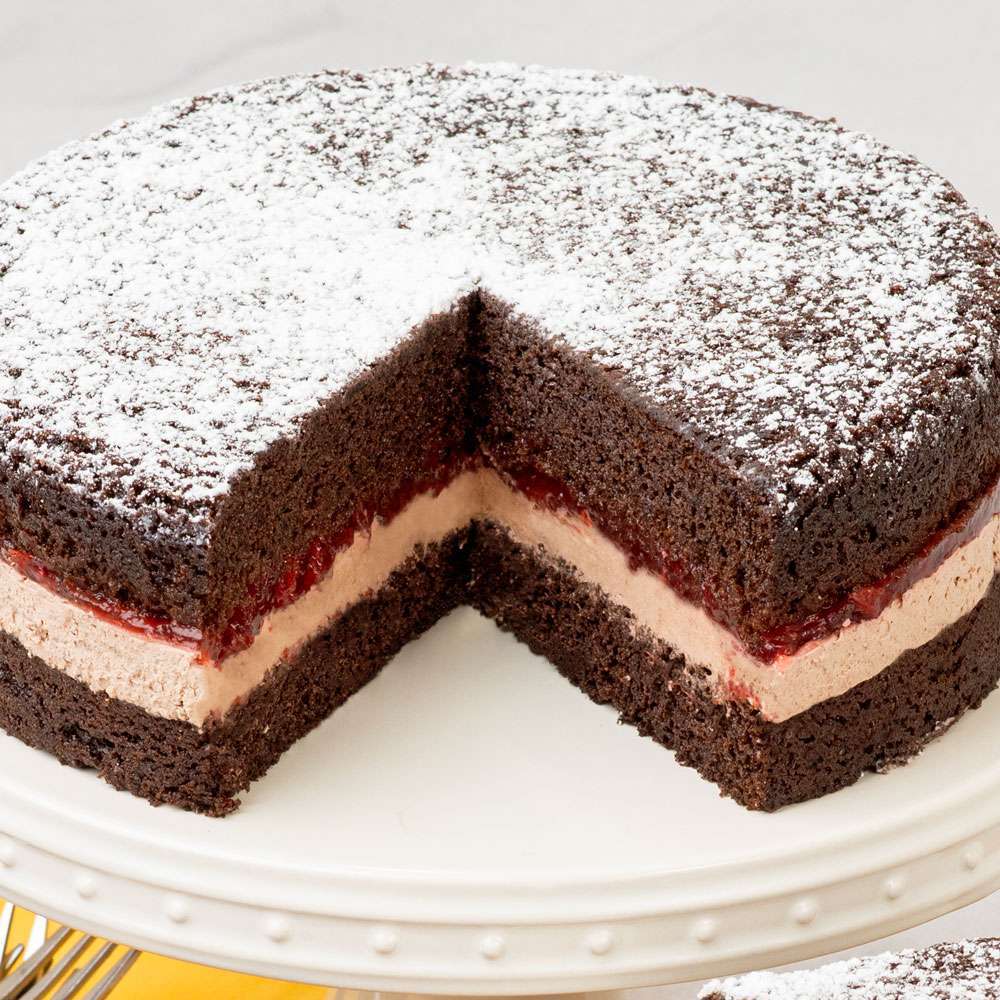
point(696, 396)
point(968, 970)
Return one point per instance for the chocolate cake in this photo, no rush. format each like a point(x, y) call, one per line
point(968, 970)
point(696, 396)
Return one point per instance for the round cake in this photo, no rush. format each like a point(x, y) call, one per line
point(696, 396)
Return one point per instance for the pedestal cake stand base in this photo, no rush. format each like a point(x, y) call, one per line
point(470, 823)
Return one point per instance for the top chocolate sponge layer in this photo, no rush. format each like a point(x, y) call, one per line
point(809, 317)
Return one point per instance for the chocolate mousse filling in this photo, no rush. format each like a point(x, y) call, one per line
point(301, 571)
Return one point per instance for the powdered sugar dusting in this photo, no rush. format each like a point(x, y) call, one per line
point(180, 291)
point(969, 970)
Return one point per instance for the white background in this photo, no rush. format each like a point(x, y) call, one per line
point(924, 76)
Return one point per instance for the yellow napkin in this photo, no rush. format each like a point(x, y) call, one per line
point(156, 978)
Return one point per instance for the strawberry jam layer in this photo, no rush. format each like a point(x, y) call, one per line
point(867, 603)
point(106, 608)
point(296, 576)
point(546, 491)
point(301, 571)
point(862, 604)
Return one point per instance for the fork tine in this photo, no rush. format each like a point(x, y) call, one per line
point(78, 979)
point(32, 980)
point(15, 954)
point(36, 938)
point(26, 973)
point(113, 976)
point(6, 918)
point(53, 975)
point(70, 986)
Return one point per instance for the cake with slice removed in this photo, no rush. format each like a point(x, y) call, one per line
point(696, 396)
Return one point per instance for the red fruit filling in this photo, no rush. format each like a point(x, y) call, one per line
point(866, 603)
point(106, 608)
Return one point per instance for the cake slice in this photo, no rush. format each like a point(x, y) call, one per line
point(697, 396)
point(968, 970)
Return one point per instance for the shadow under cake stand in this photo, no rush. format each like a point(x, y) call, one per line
point(471, 824)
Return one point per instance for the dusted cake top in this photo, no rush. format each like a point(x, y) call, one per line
point(179, 291)
point(968, 970)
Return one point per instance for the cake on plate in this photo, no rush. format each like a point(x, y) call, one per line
point(696, 396)
point(968, 970)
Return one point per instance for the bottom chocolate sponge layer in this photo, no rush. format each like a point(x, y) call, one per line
point(596, 644)
point(762, 765)
point(173, 762)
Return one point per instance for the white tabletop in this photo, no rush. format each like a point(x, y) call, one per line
point(921, 75)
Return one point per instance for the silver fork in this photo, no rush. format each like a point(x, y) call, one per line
point(41, 974)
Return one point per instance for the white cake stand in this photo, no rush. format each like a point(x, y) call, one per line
point(470, 823)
